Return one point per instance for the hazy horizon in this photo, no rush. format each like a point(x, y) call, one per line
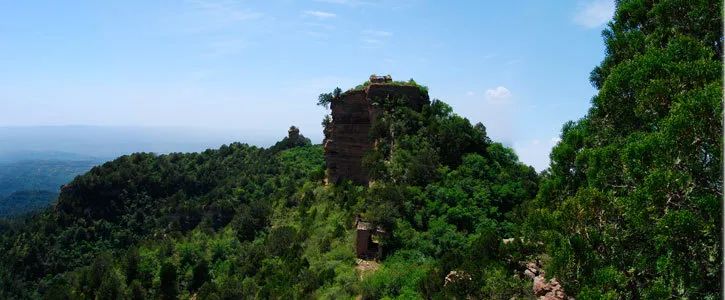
point(257, 66)
point(108, 142)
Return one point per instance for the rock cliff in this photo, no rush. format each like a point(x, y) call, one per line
point(347, 137)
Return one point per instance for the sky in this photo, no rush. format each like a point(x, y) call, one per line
point(519, 67)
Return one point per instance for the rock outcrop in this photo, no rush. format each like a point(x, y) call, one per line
point(544, 289)
point(293, 139)
point(293, 133)
point(347, 136)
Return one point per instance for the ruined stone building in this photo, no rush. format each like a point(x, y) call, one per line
point(367, 239)
point(347, 136)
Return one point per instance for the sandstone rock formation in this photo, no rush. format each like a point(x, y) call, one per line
point(347, 135)
point(293, 139)
point(293, 133)
point(457, 276)
point(544, 289)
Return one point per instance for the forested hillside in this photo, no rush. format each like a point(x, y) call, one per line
point(23, 202)
point(28, 185)
point(47, 175)
point(243, 221)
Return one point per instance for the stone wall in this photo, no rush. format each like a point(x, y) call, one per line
point(348, 135)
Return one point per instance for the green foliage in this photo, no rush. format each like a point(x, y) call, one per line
point(167, 278)
point(308, 161)
point(199, 276)
point(31, 185)
point(141, 207)
point(401, 277)
point(411, 82)
point(290, 142)
point(326, 99)
point(24, 202)
point(242, 221)
point(44, 175)
point(631, 206)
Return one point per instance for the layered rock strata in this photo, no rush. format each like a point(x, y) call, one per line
point(347, 136)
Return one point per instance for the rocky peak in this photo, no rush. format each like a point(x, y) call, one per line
point(353, 113)
point(293, 133)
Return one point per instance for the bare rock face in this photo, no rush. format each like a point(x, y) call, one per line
point(456, 276)
point(293, 133)
point(544, 289)
point(347, 137)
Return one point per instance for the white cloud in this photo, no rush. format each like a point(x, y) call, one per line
point(498, 94)
point(319, 14)
point(470, 93)
point(594, 13)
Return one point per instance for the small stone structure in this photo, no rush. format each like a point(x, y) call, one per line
point(367, 244)
point(380, 79)
point(347, 135)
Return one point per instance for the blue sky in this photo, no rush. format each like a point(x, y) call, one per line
point(520, 67)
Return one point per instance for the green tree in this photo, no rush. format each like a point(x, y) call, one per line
point(132, 261)
point(326, 99)
point(199, 275)
point(137, 291)
point(111, 287)
point(168, 281)
point(631, 204)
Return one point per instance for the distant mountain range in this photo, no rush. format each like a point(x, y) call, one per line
point(18, 156)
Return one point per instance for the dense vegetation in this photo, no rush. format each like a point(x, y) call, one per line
point(141, 199)
point(27, 185)
point(631, 206)
point(47, 175)
point(23, 202)
point(243, 220)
